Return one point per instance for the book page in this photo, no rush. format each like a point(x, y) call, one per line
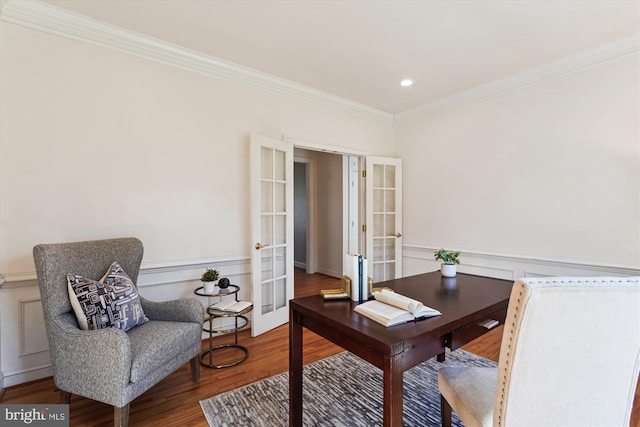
point(382, 313)
point(381, 309)
point(231, 305)
point(398, 300)
point(425, 311)
point(224, 304)
point(239, 306)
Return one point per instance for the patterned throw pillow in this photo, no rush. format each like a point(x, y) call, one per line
point(113, 302)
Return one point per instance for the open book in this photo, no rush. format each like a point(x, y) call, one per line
point(231, 305)
point(390, 308)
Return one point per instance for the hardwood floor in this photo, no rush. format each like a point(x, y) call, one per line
point(175, 400)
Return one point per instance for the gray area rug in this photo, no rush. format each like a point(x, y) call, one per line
point(339, 391)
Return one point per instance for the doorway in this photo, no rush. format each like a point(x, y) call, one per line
point(301, 216)
point(323, 213)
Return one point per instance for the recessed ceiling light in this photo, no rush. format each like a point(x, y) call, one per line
point(406, 82)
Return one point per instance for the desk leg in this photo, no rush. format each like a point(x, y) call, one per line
point(392, 410)
point(295, 370)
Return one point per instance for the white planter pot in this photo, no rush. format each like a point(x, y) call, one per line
point(209, 287)
point(448, 270)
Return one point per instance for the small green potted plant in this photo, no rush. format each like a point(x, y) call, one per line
point(449, 260)
point(210, 280)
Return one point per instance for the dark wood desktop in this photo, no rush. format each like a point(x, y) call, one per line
point(465, 302)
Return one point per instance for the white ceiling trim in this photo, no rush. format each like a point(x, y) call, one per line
point(53, 20)
point(60, 22)
point(607, 52)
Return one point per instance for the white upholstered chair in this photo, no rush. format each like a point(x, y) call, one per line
point(570, 356)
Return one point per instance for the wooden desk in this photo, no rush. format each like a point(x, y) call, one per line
point(465, 301)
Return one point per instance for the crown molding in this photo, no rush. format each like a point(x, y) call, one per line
point(50, 19)
point(603, 53)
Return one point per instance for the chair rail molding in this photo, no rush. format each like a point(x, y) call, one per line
point(24, 354)
point(57, 21)
point(419, 258)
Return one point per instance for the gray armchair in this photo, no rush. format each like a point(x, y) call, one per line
point(110, 365)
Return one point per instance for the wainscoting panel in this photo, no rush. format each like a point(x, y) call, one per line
point(24, 353)
point(33, 335)
point(419, 259)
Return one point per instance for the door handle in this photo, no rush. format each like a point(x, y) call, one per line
point(260, 246)
point(397, 234)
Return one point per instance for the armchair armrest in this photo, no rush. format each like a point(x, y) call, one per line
point(90, 363)
point(178, 310)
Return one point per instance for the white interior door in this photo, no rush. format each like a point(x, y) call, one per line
point(272, 232)
point(384, 217)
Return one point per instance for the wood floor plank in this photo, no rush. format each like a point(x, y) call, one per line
point(175, 400)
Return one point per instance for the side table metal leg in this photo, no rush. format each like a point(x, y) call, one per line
point(236, 332)
point(210, 340)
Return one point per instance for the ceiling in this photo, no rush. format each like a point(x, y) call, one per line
point(361, 49)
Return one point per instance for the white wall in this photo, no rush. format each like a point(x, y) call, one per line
point(96, 143)
point(548, 172)
point(329, 213)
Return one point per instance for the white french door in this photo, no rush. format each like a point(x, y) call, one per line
point(271, 163)
point(384, 217)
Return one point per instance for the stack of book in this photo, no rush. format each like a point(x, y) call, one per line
point(357, 270)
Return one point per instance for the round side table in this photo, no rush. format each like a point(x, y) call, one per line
point(240, 321)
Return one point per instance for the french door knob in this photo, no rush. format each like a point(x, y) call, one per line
point(260, 246)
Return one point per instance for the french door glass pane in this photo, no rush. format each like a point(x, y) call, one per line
point(267, 263)
point(280, 224)
point(266, 204)
point(266, 230)
point(378, 200)
point(279, 165)
point(390, 200)
point(280, 262)
point(280, 197)
point(378, 272)
point(389, 225)
point(378, 250)
point(390, 249)
point(281, 293)
point(267, 163)
point(390, 271)
point(378, 176)
point(267, 297)
point(378, 225)
point(390, 176)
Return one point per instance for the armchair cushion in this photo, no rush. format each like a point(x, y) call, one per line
point(157, 341)
point(111, 302)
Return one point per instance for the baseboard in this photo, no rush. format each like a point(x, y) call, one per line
point(32, 374)
point(329, 272)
